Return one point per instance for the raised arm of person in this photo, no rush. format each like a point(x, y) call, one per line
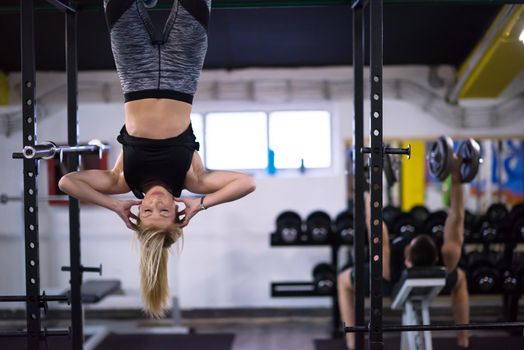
point(95, 186)
point(454, 226)
point(385, 238)
point(218, 187)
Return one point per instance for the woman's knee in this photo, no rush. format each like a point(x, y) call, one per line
point(344, 279)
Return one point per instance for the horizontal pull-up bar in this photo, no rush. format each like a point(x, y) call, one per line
point(49, 150)
point(247, 4)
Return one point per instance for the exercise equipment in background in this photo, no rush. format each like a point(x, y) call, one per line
point(289, 227)
point(344, 227)
point(318, 226)
point(324, 278)
point(440, 158)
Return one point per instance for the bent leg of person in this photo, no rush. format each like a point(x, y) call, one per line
point(460, 306)
point(346, 302)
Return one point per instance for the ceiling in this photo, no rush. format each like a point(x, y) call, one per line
point(427, 34)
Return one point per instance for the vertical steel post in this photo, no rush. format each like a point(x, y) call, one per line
point(377, 161)
point(32, 261)
point(358, 170)
point(335, 313)
point(77, 316)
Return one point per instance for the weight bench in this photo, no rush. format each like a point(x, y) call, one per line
point(417, 286)
point(94, 291)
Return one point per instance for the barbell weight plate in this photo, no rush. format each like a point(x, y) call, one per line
point(440, 157)
point(469, 152)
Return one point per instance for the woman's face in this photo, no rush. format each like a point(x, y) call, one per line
point(158, 208)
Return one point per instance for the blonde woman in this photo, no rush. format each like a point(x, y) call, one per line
point(158, 70)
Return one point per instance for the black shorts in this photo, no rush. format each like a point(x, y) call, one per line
point(451, 282)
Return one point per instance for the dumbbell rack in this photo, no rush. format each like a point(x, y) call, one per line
point(294, 289)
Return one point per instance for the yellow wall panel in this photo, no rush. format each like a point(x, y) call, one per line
point(413, 177)
point(4, 90)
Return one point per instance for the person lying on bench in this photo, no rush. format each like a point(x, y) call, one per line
point(420, 251)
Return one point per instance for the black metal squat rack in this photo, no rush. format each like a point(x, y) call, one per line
point(35, 301)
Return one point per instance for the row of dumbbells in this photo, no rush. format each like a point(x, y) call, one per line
point(487, 273)
point(496, 225)
point(318, 228)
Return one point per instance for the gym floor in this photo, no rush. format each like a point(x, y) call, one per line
point(275, 329)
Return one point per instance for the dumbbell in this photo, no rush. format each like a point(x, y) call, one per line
point(509, 281)
point(434, 226)
point(470, 220)
point(420, 214)
point(318, 226)
point(389, 215)
point(491, 224)
point(344, 227)
point(516, 223)
point(324, 277)
point(289, 227)
point(404, 224)
point(440, 158)
point(483, 275)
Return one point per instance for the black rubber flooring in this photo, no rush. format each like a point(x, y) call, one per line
point(136, 342)
point(477, 343)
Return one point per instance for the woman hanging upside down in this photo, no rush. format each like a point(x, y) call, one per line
point(158, 71)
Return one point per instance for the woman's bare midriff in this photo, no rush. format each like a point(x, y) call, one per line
point(156, 118)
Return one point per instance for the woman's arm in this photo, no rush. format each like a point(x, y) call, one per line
point(218, 186)
point(95, 186)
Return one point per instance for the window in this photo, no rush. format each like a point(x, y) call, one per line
point(300, 136)
point(236, 140)
point(243, 140)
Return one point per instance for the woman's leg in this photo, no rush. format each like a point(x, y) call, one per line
point(346, 301)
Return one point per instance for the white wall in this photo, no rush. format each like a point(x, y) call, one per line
point(226, 259)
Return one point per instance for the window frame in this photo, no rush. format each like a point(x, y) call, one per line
point(204, 108)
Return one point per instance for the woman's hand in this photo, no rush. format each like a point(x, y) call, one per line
point(123, 209)
point(192, 207)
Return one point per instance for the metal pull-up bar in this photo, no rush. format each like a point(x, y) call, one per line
point(49, 150)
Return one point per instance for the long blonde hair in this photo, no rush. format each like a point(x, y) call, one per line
point(154, 251)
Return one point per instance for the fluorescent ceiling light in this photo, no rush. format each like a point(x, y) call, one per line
point(521, 36)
